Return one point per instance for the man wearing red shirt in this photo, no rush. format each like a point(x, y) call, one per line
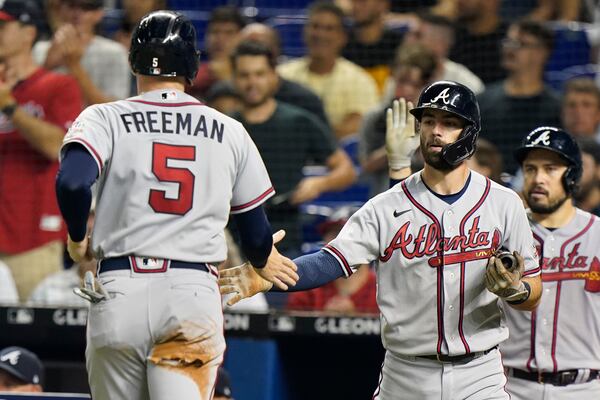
point(36, 108)
point(356, 294)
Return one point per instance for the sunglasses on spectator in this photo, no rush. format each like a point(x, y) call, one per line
point(519, 44)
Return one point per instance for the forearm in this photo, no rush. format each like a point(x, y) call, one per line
point(535, 283)
point(341, 172)
point(348, 126)
point(91, 93)
point(399, 174)
point(255, 236)
point(568, 10)
point(41, 135)
point(78, 172)
point(376, 161)
point(315, 270)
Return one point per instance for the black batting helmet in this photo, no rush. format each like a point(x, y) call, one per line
point(164, 44)
point(459, 100)
point(557, 141)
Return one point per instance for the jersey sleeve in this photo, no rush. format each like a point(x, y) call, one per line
point(91, 130)
point(518, 237)
point(252, 185)
point(358, 241)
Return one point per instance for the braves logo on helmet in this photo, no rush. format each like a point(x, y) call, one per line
point(445, 97)
point(560, 142)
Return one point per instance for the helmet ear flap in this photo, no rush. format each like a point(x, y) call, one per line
point(463, 148)
point(570, 180)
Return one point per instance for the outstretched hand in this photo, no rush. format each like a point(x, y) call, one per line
point(401, 141)
point(245, 280)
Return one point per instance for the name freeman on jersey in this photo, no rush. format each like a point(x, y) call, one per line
point(172, 123)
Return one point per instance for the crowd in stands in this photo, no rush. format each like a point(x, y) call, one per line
point(56, 58)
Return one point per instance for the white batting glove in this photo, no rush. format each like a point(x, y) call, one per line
point(92, 290)
point(401, 141)
point(506, 283)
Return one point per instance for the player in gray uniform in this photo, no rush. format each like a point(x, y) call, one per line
point(169, 170)
point(434, 238)
point(553, 353)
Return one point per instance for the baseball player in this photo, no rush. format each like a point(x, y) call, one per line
point(433, 238)
point(169, 171)
point(553, 353)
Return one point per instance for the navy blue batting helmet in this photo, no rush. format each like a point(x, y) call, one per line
point(557, 141)
point(164, 44)
point(459, 100)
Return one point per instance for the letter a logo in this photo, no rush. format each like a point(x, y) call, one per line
point(443, 95)
point(544, 138)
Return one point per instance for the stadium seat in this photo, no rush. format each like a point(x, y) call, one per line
point(571, 49)
point(290, 30)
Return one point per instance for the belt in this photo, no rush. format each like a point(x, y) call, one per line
point(560, 378)
point(147, 264)
point(463, 358)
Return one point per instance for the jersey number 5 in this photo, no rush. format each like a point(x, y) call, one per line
point(161, 154)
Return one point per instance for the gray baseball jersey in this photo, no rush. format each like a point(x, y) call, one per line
point(152, 151)
point(564, 331)
point(431, 258)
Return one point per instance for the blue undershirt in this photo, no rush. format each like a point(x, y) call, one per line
point(451, 198)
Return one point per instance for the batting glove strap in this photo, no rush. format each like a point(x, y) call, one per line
point(520, 295)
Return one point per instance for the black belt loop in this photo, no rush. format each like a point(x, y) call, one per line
point(560, 378)
point(126, 263)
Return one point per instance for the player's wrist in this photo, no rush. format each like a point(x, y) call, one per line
point(523, 294)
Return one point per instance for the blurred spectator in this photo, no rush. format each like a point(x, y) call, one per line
point(581, 108)
point(21, 371)
point(133, 11)
point(36, 108)
point(57, 289)
point(223, 97)
point(8, 289)
point(541, 10)
point(288, 138)
point(356, 294)
point(223, 385)
point(588, 195)
point(478, 37)
point(222, 35)
point(286, 91)
point(487, 161)
point(98, 64)
point(54, 17)
point(437, 34)
point(414, 68)
point(371, 44)
point(514, 107)
point(347, 90)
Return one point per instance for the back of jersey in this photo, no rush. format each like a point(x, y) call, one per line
point(171, 170)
